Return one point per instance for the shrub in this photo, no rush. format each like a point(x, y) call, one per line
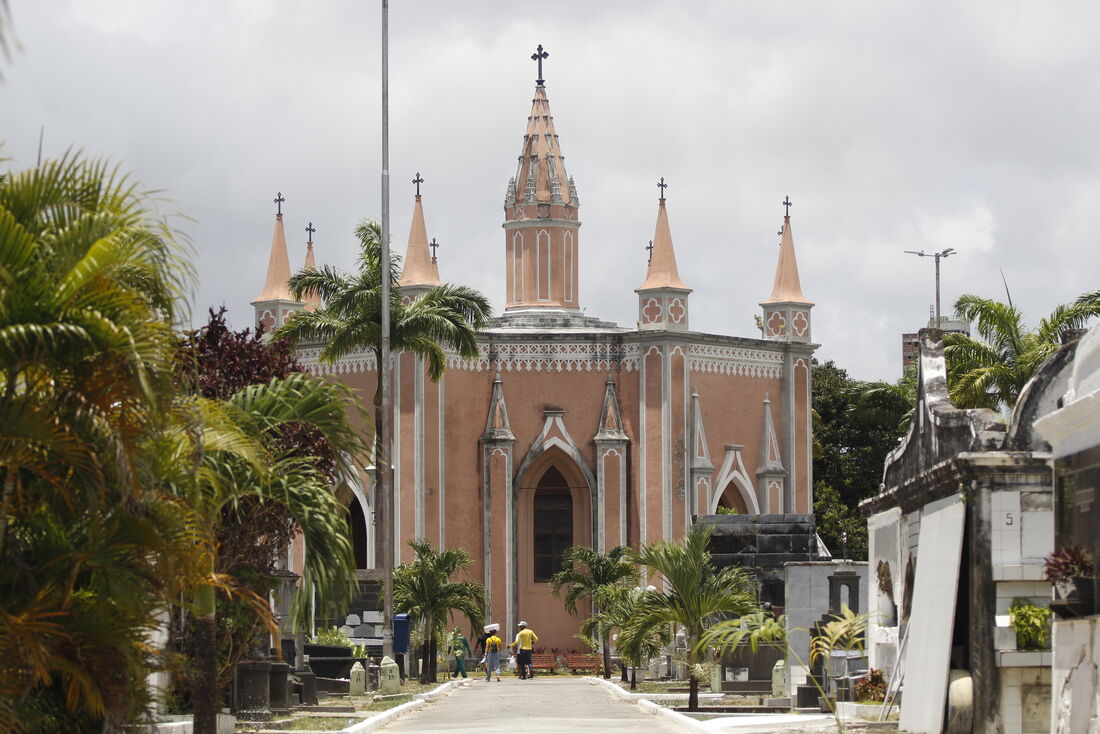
point(1032, 625)
point(331, 636)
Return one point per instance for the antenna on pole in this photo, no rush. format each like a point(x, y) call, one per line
point(41, 134)
point(946, 252)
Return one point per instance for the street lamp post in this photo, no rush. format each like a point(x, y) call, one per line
point(936, 255)
point(385, 478)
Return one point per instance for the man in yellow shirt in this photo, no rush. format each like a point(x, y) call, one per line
point(524, 643)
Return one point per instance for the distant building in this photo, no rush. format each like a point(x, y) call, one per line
point(910, 342)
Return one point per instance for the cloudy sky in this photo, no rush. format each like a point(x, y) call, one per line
point(892, 126)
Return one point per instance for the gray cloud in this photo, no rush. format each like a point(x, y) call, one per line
point(892, 126)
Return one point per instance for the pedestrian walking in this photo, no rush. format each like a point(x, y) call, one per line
point(460, 648)
point(524, 644)
point(493, 646)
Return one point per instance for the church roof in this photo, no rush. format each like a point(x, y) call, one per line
point(541, 176)
point(278, 268)
point(786, 289)
point(420, 267)
point(662, 271)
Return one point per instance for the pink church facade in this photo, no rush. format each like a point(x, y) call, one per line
point(570, 430)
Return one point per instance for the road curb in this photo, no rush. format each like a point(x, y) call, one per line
point(685, 722)
point(384, 717)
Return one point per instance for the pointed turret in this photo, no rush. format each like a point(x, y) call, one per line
point(663, 297)
point(541, 215)
point(702, 469)
point(312, 299)
point(275, 302)
point(420, 271)
point(786, 310)
point(497, 428)
point(770, 474)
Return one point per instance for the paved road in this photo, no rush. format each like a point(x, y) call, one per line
point(543, 705)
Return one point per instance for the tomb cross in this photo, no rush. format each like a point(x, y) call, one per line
point(662, 186)
point(649, 247)
point(538, 56)
point(279, 202)
point(418, 181)
point(787, 206)
point(311, 229)
point(433, 244)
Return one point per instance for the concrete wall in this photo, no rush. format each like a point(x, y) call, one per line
point(807, 591)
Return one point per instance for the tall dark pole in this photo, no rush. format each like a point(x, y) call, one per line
point(385, 477)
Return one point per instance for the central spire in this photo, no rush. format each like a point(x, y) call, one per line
point(541, 217)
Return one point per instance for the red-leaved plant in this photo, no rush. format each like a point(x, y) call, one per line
point(1067, 563)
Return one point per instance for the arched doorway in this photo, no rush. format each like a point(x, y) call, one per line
point(357, 518)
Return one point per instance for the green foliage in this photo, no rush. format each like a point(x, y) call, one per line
point(856, 424)
point(1031, 624)
point(424, 590)
point(331, 636)
point(990, 370)
point(694, 594)
point(586, 573)
point(723, 510)
point(91, 545)
point(838, 525)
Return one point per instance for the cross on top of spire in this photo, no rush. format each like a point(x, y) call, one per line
point(418, 180)
point(787, 206)
point(434, 245)
point(279, 202)
point(311, 229)
point(538, 56)
point(662, 186)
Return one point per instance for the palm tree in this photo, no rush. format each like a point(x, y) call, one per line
point(424, 590)
point(89, 546)
point(615, 606)
point(889, 404)
point(990, 371)
point(232, 444)
point(445, 317)
point(584, 573)
point(694, 594)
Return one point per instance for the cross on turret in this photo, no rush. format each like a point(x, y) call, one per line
point(310, 229)
point(418, 180)
point(433, 244)
point(279, 202)
point(787, 206)
point(662, 186)
point(538, 56)
point(649, 247)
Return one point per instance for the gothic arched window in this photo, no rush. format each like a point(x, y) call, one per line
point(552, 530)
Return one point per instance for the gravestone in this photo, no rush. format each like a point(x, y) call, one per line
point(389, 677)
point(254, 690)
point(358, 680)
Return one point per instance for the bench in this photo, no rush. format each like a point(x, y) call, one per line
point(544, 661)
point(583, 662)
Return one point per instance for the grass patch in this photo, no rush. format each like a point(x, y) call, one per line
point(317, 723)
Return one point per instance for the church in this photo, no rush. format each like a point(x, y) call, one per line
point(569, 430)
